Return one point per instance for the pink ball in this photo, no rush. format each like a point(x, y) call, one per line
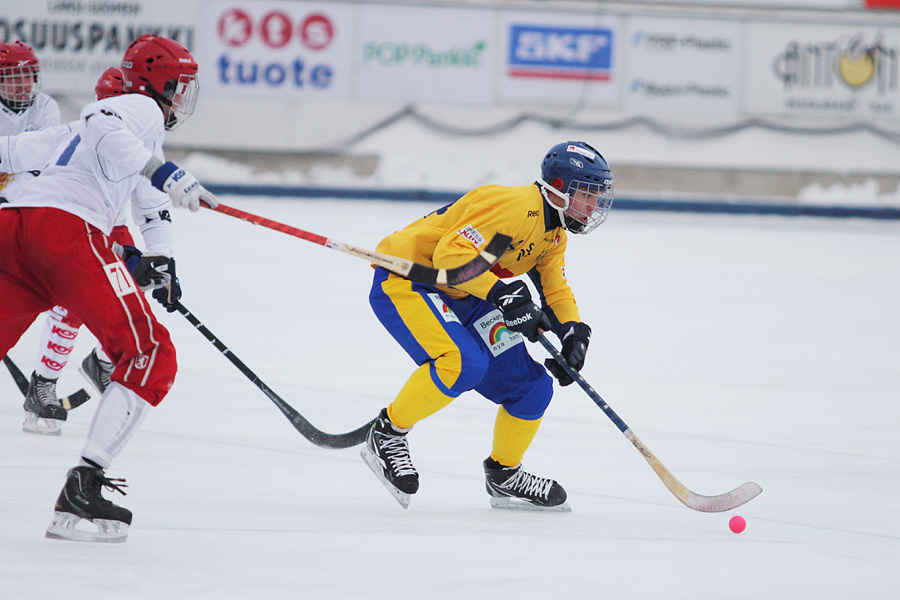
point(737, 524)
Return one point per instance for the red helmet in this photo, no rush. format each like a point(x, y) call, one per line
point(165, 71)
point(19, 75)
point(110, 84)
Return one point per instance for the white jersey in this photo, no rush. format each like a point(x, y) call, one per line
point(34, 150)
point(96, 169)
point(43, 114)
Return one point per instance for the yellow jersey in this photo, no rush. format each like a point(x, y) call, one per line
point(452, 235)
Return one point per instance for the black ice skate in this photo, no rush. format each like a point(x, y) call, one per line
point(80, 499)
point(97, 371)
point(44, 413)
point(387, 454)
point(513, 487)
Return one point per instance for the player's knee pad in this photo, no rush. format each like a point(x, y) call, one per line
point(534, 400)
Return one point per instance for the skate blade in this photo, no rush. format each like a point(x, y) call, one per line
point(35, 424)
point(63, 527)
point(402, 497)
point(518, 504)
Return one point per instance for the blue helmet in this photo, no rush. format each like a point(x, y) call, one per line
point(576, 180)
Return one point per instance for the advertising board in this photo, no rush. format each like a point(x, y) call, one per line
point(274, 50)
point(823, 70)
point(682, 67)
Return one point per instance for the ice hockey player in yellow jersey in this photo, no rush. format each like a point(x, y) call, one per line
point(471, 336)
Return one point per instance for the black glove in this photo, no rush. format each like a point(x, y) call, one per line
point(170, 294)
point(519, 311)
point(575, 340)
point(152, 272)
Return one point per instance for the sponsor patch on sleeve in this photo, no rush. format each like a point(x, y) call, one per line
point(472, 234)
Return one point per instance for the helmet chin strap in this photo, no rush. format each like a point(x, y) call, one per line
point(545, 187)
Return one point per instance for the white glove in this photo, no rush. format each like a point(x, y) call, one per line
point(182, 187)
point(186, 192)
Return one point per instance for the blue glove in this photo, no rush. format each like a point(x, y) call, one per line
point(575, 340)
point(519, 311)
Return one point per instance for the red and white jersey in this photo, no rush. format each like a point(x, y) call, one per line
point(96, 169)
point(35, 150)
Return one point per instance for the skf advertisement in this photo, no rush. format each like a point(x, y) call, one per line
point(560, 59)
point(824, 71)
point(422, 54)
point(76, 41)
point(683, 67)
point(276, 49)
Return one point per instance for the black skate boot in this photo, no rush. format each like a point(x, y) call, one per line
point(97, 371)
point(80, 499)
point(387, 454)
point(513, 487)
point(43, 412)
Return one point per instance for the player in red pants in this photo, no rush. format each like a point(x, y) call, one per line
point(117, 144)
point(44, 414)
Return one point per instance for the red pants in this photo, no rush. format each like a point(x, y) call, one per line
point(122, 236)
point(50, 257)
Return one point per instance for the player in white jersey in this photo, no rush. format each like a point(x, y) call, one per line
point(44, 413)
point(117, 144)
point(23, 106)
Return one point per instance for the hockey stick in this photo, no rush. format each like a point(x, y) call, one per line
point(720, 503)
point(400, 266)
point(306, 429)
point(73, 400)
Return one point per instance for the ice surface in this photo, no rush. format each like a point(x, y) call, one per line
point(737, 348)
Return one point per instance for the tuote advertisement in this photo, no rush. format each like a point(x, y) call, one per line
point(823, 71)
point(275, 50)
point(76, 41)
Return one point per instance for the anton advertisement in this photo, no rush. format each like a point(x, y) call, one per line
point(76, 41)
point(824, 71)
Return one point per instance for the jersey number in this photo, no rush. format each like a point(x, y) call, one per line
point(67, 153)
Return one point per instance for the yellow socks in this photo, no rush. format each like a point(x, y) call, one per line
point(512, 436)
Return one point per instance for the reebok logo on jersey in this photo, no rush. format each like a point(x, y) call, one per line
point(472, 234)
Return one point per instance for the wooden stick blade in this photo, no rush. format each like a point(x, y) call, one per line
point(723, 502)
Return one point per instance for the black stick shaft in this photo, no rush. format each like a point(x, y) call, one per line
point(306, 429)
